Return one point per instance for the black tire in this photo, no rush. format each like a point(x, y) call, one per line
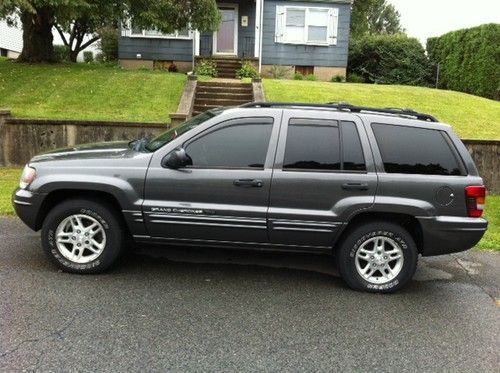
point(346, 256)
point(101, 212)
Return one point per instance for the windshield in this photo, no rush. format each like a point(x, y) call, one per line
point(173, 133)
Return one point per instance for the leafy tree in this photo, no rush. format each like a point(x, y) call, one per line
point(89, 18)
point(79, 18)
point(374, 17)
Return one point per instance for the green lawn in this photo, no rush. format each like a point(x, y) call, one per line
point(88, 92)
point(472, 117)
point(9, 179)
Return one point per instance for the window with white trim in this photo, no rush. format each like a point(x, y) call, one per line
point(306, 25)
point(182, 34)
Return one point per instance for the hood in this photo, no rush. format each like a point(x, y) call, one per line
point(102, 150)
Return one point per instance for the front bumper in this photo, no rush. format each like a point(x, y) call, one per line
point(27, 205)
point(450, 234)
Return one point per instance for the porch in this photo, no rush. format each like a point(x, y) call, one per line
point(239, 34)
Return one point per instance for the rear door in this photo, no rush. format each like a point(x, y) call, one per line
point(224, 195)
point(323, 173)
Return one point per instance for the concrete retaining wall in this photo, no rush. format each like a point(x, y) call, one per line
point(21, 139)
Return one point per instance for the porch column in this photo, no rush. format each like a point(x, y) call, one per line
point(196, 40)
point(258, 21)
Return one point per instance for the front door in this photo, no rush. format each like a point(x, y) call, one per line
point(225, 39)
point(223, 196)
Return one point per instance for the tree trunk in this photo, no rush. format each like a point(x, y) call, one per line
point(73, 55)
point(37, 36)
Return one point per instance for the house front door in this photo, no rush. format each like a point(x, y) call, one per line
point(225, 39)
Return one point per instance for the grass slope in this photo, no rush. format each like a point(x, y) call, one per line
point(88, 92)
point(9, 179)
point(472, 117)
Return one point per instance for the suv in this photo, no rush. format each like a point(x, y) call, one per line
point(373, 187)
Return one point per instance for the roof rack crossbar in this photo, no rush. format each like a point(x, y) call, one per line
point(347, 107)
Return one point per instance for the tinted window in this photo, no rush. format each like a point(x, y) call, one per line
point(409, 150)
point(353, 158)
point(235, 144)
point(312, 144)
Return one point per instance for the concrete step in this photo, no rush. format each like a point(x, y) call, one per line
point(216, 90)
point(224, 84)
point(226, 95)
point(219, 101)
point(202, 108)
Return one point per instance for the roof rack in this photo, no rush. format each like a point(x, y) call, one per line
point(340, 106)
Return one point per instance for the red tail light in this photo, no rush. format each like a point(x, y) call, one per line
point(475, 197)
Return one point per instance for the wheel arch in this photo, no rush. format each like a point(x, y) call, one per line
point(407, 221)
point(58, 196)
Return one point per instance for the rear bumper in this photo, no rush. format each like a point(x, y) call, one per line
point(450, 234)
point(27, 206)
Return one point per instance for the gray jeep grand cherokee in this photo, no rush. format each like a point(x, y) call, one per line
point(373, 187)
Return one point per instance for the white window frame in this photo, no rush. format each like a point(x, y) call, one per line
point(129, 32)
point(332, 25)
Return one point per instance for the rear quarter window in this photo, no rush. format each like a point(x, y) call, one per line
point(411, 150)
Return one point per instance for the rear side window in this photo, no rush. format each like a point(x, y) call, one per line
point(234, 144)
point(312, 145)
point(316, 144)
point(353, 158)
point(410, 150)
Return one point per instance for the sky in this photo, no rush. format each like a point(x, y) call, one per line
point(426, 18)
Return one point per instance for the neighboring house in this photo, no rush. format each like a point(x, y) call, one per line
point(11, 41)
point(310, 37)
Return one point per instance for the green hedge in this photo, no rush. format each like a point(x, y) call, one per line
point(469, 60)
point(389, 59)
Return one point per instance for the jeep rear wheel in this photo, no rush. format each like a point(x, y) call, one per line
point(82, 236)
point(377, 257)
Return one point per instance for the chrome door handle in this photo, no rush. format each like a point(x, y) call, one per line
point(248, 183)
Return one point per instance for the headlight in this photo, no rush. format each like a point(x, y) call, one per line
point(27, 177)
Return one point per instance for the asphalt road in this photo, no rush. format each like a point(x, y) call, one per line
point(210, 310)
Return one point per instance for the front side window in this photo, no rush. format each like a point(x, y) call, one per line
point(410, 150)
point(234, 144)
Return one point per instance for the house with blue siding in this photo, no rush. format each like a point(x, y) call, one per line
point(310, 37)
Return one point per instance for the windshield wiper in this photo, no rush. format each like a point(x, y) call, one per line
point(139, 145)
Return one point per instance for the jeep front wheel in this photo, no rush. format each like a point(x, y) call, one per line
point(377, 257)
point(82, 236)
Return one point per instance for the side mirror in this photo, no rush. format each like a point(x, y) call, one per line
point(176, 159)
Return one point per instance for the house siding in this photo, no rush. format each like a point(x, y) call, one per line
point(11, 38)
point(305, 55)
point(155, 49)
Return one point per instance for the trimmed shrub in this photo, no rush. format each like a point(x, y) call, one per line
point(108, 44)
point(355, 78)
point(469, 60)
point(248, 70)
point(206, 67)
point(389, 59)
point(88, 57)
point(172, 68)
point(298, 76)
point(311, 77)
point(338, 79)
point(61, 53)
